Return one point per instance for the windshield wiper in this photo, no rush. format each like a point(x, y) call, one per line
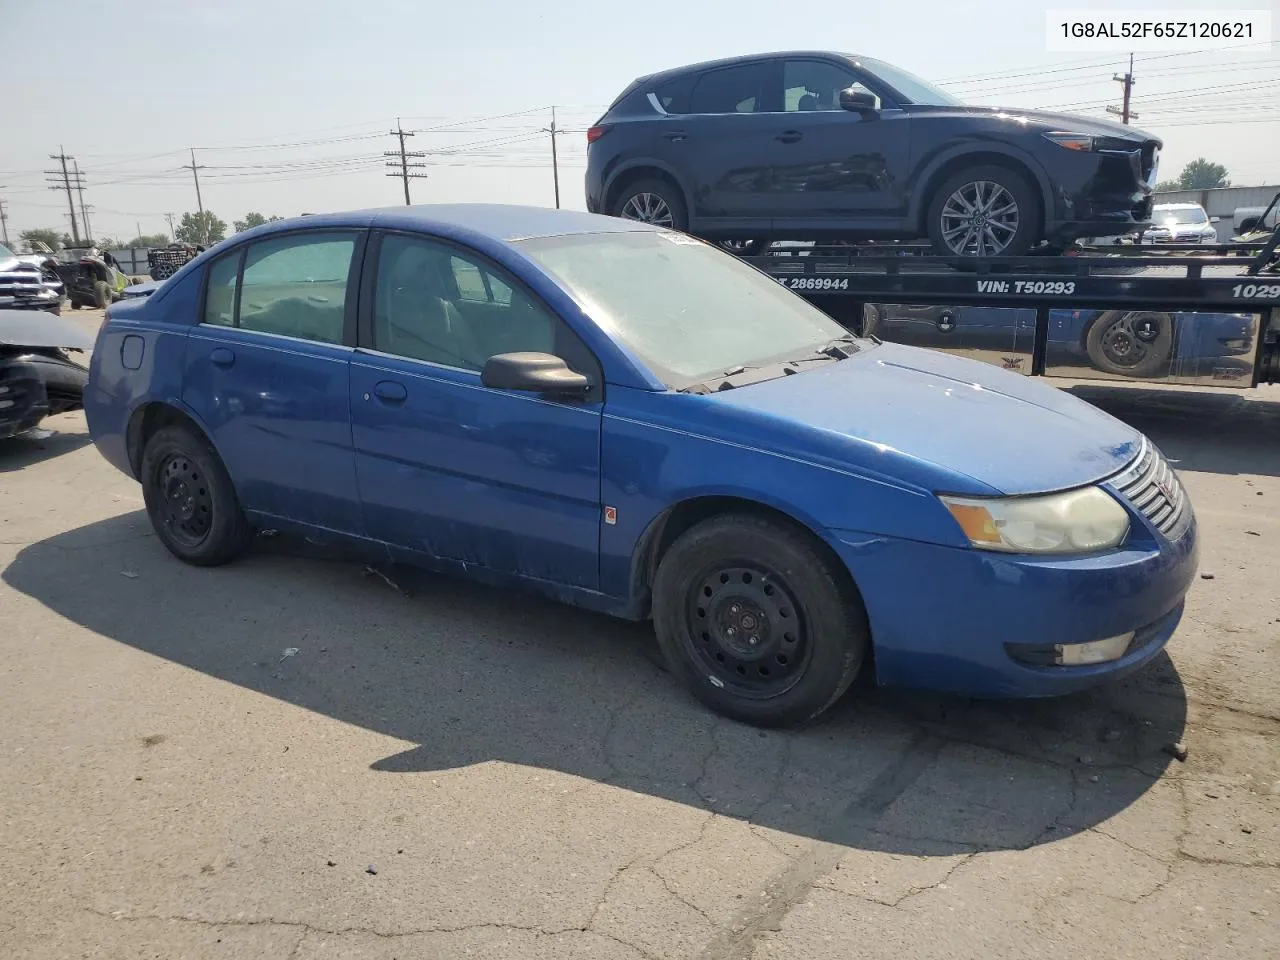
point(841, 348)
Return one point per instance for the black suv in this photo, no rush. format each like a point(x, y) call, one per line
point(829, 146)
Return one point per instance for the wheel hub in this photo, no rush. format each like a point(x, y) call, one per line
point(746, 631)
point(186, 505)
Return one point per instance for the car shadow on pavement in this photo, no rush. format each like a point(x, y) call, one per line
point(1224, 433)
point(468, 674)
point(22, 451)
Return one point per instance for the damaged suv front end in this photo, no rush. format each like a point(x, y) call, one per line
point(29, 282)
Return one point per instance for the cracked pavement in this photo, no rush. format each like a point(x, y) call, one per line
point(451, 771)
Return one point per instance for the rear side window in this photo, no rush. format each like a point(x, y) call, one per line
point(673, 94)
point(731, 90)
point(220, 293)
point(296, 286)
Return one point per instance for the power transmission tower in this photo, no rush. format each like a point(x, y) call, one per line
point(195, 172)
point(1128, 82)
point(84, 211)
point(404, 164)
point(53, 177)
point(4, 223)
point(555, 163)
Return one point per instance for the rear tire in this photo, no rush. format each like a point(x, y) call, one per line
point(191, 500)
point(757, 622)
point(1009, 209)
point(652, 201)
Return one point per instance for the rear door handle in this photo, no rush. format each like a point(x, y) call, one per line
point(222, 357)
point(676, 136)
point(789, 136)
point(390, 391)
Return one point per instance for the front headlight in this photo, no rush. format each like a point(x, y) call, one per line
point(1078, 521)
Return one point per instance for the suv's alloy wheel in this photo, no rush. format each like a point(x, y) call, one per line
point(980, 219)
point(649, 208)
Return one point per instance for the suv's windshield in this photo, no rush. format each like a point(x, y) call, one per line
point(690, 311)
point(1186, 215)
point(908, 84)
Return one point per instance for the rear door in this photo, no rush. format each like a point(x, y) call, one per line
point(268, 373)
point(721, 143)
point(447, 466)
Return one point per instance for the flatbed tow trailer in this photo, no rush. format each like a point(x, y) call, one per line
point(1172, 313)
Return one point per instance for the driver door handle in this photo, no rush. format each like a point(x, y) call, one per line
point(789, 136)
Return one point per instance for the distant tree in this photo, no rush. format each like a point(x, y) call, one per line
point(251, 220)
point(202, 228)
point(1201, 174)
point(44, 235)
point(1167, 186)
point(107, 243)
point(149, 240)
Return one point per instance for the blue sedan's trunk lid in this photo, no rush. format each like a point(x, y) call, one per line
point(1001, 429)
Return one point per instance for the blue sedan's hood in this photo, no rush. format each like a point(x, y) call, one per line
point(892, 407)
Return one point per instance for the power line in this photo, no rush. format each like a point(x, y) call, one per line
point(404, 173)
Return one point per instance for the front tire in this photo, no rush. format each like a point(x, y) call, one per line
point(757, 622)
point(190, 499)
point(652, 201)
point(985, 211)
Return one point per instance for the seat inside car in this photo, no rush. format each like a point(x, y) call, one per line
point(414, 317)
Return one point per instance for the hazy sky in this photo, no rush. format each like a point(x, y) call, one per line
point(289, 103)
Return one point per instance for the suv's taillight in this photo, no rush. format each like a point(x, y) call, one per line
point(596, 132)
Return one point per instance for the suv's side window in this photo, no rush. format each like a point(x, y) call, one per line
point(740, 89)
point(815, 85)
point(435, 303)
point(294, 285)
point(673, 94)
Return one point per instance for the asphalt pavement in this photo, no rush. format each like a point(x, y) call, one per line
point(297, 756)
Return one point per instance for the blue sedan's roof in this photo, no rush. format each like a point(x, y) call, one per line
point(503, 222)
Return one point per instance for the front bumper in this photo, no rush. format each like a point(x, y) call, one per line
point(24, 402)
point(948, 619)
point(1097, 194)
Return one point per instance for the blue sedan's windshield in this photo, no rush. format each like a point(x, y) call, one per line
point(690, 311)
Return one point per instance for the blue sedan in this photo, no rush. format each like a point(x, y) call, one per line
point(628, 419)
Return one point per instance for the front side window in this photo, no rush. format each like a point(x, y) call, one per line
point(815, 85)
point(690, 311)
point(296, 286)
point(437, 304)
point(731, 90)
point(909, 85)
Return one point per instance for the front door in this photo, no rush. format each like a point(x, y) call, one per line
point(267, 371)
point(827, 162)
point(451, 468)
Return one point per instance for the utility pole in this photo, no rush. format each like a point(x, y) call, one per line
point(4, 223)
point(555, 163)
point(1128, 82)
point(172, 234)
point(84, 211)
point(195, 172)
point(53, 176)
point(404, 163)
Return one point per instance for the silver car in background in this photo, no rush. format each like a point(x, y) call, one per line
point(1180, 223)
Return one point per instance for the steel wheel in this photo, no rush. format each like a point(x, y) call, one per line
point(186, 508)
point(648, 208)
point(980, 219)
point(746, 631)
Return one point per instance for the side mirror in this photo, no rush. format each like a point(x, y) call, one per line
point(535, 372)
point(1214, 219)
point(856, 101)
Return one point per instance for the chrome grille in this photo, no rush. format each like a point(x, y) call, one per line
point(1152, 487)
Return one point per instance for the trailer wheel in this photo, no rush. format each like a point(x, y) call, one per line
point(1131, 343)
